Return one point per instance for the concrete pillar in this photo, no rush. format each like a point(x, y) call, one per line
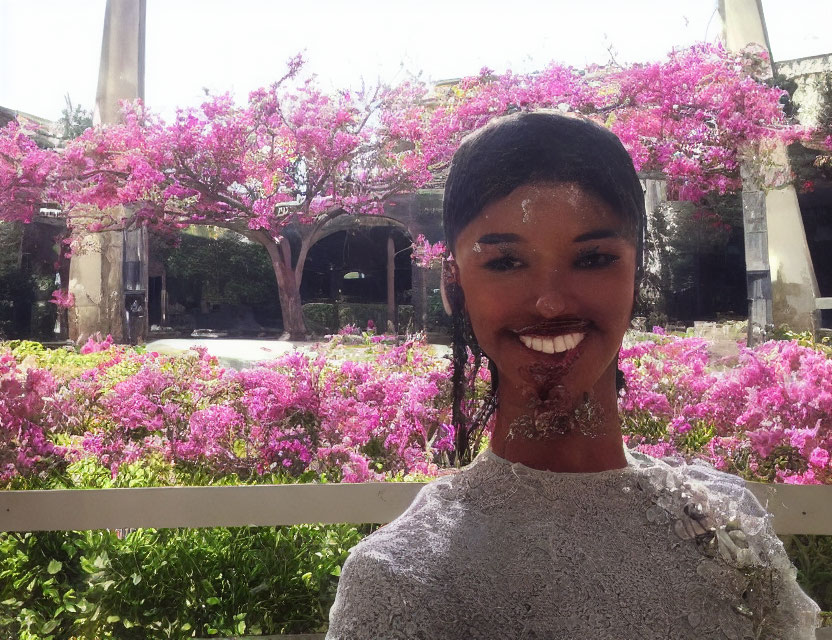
point(794, 288)
point(96, 273)
point(743, 23)
point(786, 276)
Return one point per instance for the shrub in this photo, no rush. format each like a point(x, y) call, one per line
point(170, 583)
point(767, 416)
point(321, 318)
point(189, 420)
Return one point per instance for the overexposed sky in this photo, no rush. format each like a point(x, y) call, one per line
point(49, 48)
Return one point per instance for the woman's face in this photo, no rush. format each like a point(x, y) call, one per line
point(547, 274)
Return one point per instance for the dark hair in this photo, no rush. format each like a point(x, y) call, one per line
point(540, 147)
point(510, 152)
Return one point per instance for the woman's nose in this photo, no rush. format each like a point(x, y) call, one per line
point(551, 302)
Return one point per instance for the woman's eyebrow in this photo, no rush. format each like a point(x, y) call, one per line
point(598, 234)
point(499, 238)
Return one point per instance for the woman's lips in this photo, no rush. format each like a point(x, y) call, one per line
point(550, 343)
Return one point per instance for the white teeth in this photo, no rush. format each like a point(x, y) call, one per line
point(549, 344)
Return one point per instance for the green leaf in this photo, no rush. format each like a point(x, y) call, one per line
point(112, 619)
point(186, 626)
point(53, 568)
point(212, 600)
point(136, 578)
point(48, 627)
point(241, 627)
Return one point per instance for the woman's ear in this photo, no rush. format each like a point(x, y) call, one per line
point(449, 280)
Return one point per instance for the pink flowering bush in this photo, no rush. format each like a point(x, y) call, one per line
point(372, 411)
point(25, 446)
point(766, 416)
point(186, 419)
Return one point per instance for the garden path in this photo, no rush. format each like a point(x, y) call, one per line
point(240, 354)
point(237, 354)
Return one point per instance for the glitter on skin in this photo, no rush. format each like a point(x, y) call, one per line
point(551, 417)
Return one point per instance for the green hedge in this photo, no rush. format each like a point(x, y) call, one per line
point(327, 318)
point(170, 583)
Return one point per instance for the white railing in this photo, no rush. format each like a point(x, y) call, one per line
point(796, 509)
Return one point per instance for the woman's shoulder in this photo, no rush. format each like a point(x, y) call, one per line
point(697, 486)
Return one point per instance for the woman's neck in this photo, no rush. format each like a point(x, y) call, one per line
point(585, 437)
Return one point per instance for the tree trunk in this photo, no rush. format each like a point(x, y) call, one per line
point(288, 285)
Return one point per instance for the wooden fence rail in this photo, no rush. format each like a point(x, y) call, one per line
point(796, 509)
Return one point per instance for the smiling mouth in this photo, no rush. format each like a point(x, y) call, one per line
point(552, 344)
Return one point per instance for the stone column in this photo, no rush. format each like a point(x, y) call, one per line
point(782, 288)
point(96, 273)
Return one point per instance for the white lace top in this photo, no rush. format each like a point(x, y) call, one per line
point(500, 550)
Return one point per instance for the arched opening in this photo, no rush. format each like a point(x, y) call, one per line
point(362, 269)
point(351, 266)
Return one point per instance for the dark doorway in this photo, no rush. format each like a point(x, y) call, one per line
point(154, 300)
point(816, 208)
point(351, 266)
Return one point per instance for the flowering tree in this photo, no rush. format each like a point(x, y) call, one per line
point(275, 170)
point(692, 117)
point(278, 169)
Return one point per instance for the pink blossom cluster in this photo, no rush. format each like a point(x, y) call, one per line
point(428, 255)
point(95, 344)
point(294, 157)
point(353, 421)
point(63, 299)
point(766, 415)
point(25, 170)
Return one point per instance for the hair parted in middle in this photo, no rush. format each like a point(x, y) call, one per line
point(540, 147)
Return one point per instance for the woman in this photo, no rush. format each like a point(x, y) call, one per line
point(557, 531)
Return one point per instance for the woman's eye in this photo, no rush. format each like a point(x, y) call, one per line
point(503, 263)
point(595, 260)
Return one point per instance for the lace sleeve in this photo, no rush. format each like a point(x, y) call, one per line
point(792, 615)
point(372, 601)
point(780, 608)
